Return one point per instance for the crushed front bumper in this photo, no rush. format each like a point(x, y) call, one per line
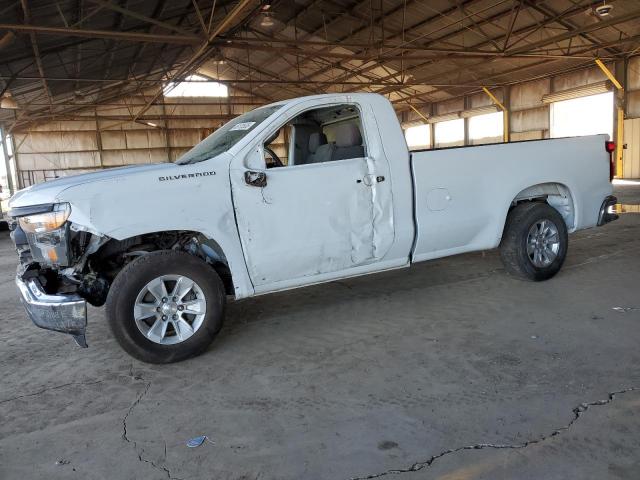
point(66, 313)
point(608, 210)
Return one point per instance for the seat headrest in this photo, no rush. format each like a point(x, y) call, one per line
point(315, 140)
point(348, 135)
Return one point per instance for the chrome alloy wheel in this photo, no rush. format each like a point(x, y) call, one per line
point(170, 309)
point(543, 243)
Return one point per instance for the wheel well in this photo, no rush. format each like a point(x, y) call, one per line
point(556, 195)
point(111, 257)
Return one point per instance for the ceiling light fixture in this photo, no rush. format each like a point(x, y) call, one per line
point(8, 102)
point(218, 58)
point(267, 20)
point(603, 10)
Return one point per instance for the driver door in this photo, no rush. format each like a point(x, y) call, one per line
point(307, 223)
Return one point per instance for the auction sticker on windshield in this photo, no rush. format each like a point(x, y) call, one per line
point(242, 126)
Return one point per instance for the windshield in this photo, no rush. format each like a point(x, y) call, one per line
point(227, 136)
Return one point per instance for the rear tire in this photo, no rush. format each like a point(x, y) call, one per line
point(166, 306)
point(535, 241)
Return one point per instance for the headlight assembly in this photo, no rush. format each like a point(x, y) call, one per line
point(46, 222)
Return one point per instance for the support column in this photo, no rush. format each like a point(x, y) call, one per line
point(98, 136)
point(465, 106)
point(619, 125)
point(7, 160)
point(432, 126)
point(505, 114)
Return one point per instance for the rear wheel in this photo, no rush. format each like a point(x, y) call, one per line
point(535, 241)
point(166, 306)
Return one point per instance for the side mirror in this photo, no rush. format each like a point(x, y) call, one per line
point(255, 179)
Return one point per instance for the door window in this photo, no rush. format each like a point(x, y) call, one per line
point(317, 136)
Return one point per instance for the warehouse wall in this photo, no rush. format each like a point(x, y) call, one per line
point(633, 88)
point(529, 116)
point(102, 137)
point(631, 154)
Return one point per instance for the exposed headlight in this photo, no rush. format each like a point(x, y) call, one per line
point(46, 222)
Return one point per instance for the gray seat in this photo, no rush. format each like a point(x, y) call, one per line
point(319, 149)
point(348, 142)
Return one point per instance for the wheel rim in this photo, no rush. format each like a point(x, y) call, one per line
point(543, 243)
point(170, 309)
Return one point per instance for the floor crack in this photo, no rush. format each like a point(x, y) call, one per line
point(139, 452)
point(577, 413)
point(69, 384)
point(46, 389)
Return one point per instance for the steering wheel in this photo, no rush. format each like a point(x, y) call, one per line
point(274, 157)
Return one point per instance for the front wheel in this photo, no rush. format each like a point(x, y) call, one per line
point(166, 306)
point(535, 241)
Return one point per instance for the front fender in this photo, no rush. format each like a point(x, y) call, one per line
point(124, 207)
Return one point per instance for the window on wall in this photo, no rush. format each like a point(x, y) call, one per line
point(196, 86)
point(449, 133)
point(418, 137)
point(583, 116)
point(486, 128)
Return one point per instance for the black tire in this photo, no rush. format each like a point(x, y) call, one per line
point(513, 247)
point(130, 282)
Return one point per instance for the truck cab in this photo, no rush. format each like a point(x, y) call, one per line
point(328, 203)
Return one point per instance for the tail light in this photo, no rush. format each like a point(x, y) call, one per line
point(610, 147)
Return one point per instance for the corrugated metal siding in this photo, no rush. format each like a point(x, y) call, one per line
point(533, 119)
point(68, 147)
point(529, 95)
point(633, 104)
point(90, 142)
point(634, 73)
point(580, 78)
point(482, 100)
point(631, 155)
point(530, 135)
point(578, 92)
point(454, 105)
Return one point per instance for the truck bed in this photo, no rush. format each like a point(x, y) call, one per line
point(462, 194)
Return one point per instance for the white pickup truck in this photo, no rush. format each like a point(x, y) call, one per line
point(164, 245)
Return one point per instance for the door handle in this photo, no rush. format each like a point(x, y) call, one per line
point(368, 180)
point(255, 179)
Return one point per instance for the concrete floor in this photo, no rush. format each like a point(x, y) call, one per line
point(449, 370)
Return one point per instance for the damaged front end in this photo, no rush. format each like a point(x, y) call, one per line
point(53, 253)
point(66, 313)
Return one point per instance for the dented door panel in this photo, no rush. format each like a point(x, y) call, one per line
point(309, 223)
point(307, 220)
